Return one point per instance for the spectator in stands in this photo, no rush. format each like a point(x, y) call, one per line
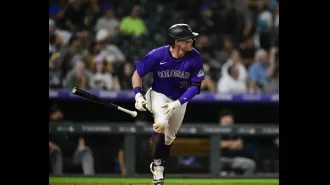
point(55, 79)
point(242, 7)
point(82, 34)
point(108, 21)
point(93, 52)
point(231, 83)
point(275, 41)
point(74, 15)
point(273, 83)
point(266, 25)
point(247, 51)
point(208, 83)
point(124, 77)
point(261, 70)
point(209, 63)
point(62, 36)
point(201, 44)
point(223, 52)
point(234, 155)
point(55, 12)
point(233, 23)
point(235, 58)
point(205, 22)
point(101, 79)
point(83, 156)
point(79, 77)
point(133, 24)
point(110, 52)
point(69, 55)
point(92, 14)
point(55, 40)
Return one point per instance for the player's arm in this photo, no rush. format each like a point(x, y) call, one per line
point(232, 144)
point(272, 63)
point(225, 143)
point(194, 89)
point(197, 77)
point(136, 82)
point(237, 144)
point(143, 67)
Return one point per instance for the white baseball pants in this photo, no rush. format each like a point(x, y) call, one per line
point(157, 100)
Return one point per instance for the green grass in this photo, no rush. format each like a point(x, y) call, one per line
point(148, 180)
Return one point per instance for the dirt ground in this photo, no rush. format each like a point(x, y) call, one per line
point(147, 184)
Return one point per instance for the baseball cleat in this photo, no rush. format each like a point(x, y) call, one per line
point(157, 171)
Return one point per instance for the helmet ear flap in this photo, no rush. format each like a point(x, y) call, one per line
point(194, 42)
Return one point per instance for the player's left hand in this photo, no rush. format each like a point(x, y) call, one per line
point(170, 108)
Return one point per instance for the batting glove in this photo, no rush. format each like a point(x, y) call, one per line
point(170, 108)
point(140, 102)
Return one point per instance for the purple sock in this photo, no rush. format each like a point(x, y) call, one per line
point(160, 151)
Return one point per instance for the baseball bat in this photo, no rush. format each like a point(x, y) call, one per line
point(95, 99)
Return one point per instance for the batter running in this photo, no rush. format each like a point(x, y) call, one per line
point(177, 76)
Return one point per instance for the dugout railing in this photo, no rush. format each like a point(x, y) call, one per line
point(130, 130)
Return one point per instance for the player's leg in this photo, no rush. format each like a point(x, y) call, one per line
point(55, 155)
point(174, 125)
point(87, 163)
point(163, 142)
point(245, 164)
point(226, 164)
point(159, 149)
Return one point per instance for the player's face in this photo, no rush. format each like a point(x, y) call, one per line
point(226, 120)
point(57, 115)
point(186, 45)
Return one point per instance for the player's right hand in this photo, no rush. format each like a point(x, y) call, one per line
point(140, 102)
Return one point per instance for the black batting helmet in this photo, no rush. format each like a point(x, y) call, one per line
point(181, 32)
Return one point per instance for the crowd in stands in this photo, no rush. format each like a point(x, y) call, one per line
point(93, 44)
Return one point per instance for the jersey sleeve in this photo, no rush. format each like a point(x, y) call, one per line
point(146, 65)
point(198, 71)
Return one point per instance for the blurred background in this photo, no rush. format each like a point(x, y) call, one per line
point(93, 45)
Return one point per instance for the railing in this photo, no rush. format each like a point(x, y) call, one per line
point(130, 131)
point(205, 97)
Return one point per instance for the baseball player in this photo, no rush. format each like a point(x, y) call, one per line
point(177, 76)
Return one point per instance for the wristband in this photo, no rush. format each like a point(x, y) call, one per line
point(137, 90)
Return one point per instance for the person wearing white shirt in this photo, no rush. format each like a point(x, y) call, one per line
point(109, 22)
point(230, 83)
point(101, 79)
point(110, 52)
point(235, 58)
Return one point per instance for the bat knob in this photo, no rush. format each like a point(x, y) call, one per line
point(134, 114)
point(74, 90)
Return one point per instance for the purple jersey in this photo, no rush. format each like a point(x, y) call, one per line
point(171, 77)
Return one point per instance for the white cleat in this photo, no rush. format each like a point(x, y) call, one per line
point(157, 171)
